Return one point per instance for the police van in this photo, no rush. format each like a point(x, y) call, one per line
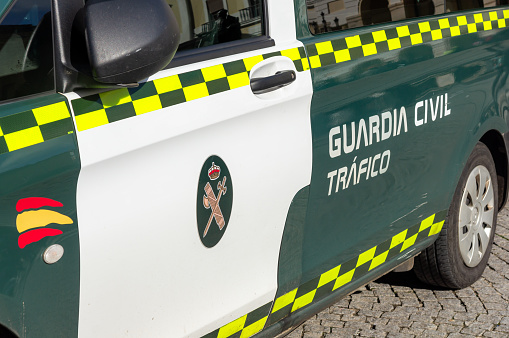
point(227, 168)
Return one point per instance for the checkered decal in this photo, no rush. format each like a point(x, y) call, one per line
point(34, 126)
point(98, 110)
point(328, 282)
point(339, 276)
point(245, 326)
point(357, 46)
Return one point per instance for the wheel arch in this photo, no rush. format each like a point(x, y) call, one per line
point(495, 143)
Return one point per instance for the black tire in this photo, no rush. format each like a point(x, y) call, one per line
point(442, 263)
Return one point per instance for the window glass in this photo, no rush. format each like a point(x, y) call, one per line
point(333, 15)
point(210, 22)
point(3, 6)
point(26, 49)
point(461, 5)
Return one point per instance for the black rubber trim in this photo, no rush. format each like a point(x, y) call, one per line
point(270, 83)
point(220, 50)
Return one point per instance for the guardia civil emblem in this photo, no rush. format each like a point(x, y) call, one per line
point(214, 202)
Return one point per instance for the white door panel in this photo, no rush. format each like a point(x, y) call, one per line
point(144, 270)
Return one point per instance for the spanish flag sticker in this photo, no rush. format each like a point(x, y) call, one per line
point(33, 220)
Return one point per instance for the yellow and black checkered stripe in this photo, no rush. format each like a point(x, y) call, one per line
point(34, 126)
point(335, 278)
point(330, 281)
point(358, 46)
point(101, 109)
point(245, 326)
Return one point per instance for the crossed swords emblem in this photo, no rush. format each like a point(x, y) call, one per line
point(210, 201)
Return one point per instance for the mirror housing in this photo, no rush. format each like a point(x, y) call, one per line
point(129, 40)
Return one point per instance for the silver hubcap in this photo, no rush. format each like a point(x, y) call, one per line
point(476, 216)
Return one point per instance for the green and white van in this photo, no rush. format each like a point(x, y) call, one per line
point(226, 168)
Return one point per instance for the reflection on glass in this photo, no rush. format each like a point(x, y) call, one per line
point(334, 15)
point(210, 22)
point(26, 49)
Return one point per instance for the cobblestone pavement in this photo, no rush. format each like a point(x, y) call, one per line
point(398, 305)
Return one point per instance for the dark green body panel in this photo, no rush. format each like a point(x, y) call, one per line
point(425, 161)
point(37, 299)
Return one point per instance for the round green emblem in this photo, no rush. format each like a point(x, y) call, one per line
point(214, 202)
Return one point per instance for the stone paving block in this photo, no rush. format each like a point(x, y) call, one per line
point(406, 294)
point(399, 335)
point(495, 306)
point(314, 328)
point(344, 332)
point(360, 305)
point(413, 302)
point(432, 305)
point(400, 322)
point(358, 325)
point(333, 323)
point(503, 313)
point(452, 304)
point(424, 295)
point(502, 328)
point(412, 331)
point(495, 334)
point(459, 335)
point(476, 328)
point(493, 319)
point(424, 326)
point(441, 294)
point(396, 314)
point(372, 334)
point(370, 313)
point(384, 292)
point(454, 322)
point(433, 334)
point(313, 335)
point(448, 328)
point(297, 333)
point(393, 300)
point(446, 314)
point(328, 316)
point(383, 307)
point(312, 321)
point(343, 311)
point(353, 318)
point(387, 328)
point(377, 321)
point(401, 288)
point(465, 293)
point(504, 320)
point(466, 316)
point(417, 317)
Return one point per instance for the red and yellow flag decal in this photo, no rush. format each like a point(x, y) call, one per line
point(32, 224)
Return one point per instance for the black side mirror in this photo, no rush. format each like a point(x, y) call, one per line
point(129, 40)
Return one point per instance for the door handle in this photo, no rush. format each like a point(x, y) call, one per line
point(262, 85)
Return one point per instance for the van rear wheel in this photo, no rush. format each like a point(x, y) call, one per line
point(460, 254)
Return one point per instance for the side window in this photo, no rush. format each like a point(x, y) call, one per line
point(461, 5)
point(333, 15)
point(26, 49)
point(210, 22)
